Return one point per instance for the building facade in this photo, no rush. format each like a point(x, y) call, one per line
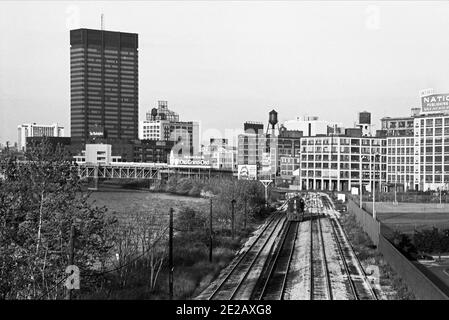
point(418, 151)
point(37, 130)
point(163, 124)
point(220, 155)
point(152, 151)
point(104, 83)
point(431, 152)
point(251, 144)
point(290, 168)
point(343, 162)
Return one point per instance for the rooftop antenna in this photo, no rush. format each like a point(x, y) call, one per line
point(102, 22)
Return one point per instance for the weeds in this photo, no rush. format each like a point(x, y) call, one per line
point(368, 255)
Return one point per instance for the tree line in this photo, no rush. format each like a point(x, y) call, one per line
point(43, 199)
point(426, 241)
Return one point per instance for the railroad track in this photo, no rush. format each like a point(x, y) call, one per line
point(361, 288)
point(230, 286)
point(274, 283)
point(320, 282)
point(263, 270)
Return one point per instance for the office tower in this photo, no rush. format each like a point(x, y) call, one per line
point(104, 83)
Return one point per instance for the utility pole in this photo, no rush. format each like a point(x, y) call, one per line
point(210, 232)
point(361, 185)
point(71, 256)
point(374, 187)
point(244, 221)
point(170, 256)
point(395, 186)
point(232, 218)
point(361, 195)
point(266, 183)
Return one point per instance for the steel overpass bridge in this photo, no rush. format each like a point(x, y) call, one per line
point(148, 171)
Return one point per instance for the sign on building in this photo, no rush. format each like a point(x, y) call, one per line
point(247, 172)
point(435, 103)
point(266, 162)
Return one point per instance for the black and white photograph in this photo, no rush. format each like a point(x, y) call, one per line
point(241, 151)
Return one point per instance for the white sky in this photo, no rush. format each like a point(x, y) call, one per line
point(227, 62)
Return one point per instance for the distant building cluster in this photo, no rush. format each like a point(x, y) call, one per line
point(407, 153)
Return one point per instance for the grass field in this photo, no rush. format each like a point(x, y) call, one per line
point(193, 271)
point(122, 202)
point(408, 216)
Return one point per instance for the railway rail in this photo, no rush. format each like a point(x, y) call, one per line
point(228, 288)
point(274, 283)
point(361, 288)
point(262, 271)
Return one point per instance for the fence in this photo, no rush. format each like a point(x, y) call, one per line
point(429, 197)
point(369, 225)
point(417, 281)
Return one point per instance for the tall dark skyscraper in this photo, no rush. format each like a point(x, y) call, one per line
point(103, 83)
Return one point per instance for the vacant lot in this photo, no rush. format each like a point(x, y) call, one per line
point(122, 202)
point(408, 216)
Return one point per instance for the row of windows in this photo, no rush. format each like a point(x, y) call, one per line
point(367, 150)
point(342, 175)
point(438, 122)
point(434, 132)
point(344, 141)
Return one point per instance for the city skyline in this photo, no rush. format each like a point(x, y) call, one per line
point(250, 66)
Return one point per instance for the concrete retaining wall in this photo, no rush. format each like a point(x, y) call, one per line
point(417, 281)
point(366, 221)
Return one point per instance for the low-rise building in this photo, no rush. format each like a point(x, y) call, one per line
point(221, 156)
point(37, 130)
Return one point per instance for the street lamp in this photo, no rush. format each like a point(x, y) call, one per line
point(210, 230)
point(374, 185)
point(395, 185)
point(266, 183)
point(232, 217)
point(361, 184)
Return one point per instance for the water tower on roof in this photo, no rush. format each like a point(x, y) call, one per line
point(272, 122)
point(364, 123)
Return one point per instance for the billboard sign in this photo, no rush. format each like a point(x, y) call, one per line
point(266, 159)
point(247, 172)
point(266, 162)
point(188, 160)
point(435, 103)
